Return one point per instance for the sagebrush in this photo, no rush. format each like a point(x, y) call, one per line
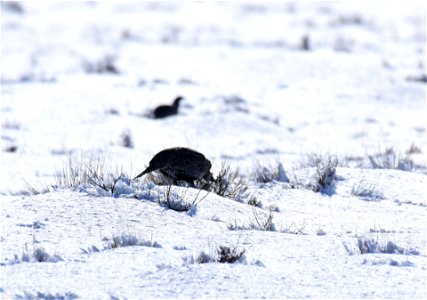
point(229, 184)
point(222, 254)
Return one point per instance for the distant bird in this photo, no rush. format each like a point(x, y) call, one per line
point(180, 164)
point(164, 111)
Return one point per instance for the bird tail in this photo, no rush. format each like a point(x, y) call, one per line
point(143, 173)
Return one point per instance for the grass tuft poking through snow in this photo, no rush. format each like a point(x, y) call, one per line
point(105, 65)
point(324, 179)
point(390, 158)
point(269, 172)
point(32, 190)
point(366, 245)
point(37, 255)
point(229, 255)
point(126, 139)
point(261, 221)
point(89, 170)
point(366, 191)
point(47, 296)
point(204, 258)
point(298, 229)
point(177, 202)
point(316, 159)
point(229, 184)
point(254, 201)
point(127, 240)
point(223, 254)
point(371, 245)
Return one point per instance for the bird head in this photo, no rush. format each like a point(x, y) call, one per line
point(177, 100)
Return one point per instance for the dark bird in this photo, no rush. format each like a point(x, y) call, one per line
point(164, 111)
point(180, 164)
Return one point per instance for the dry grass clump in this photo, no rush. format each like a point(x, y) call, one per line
point(178, 202)
point(229, 254)
point(106, 64)
point(260, 221)
point(128, 240)
point(390, 158)
point(38, 254)
point(325, 165)
point(126, 139)
point(90, 170)
point(229, 184)
point(265, 173)
point(366, 191)
point(223, 254)
point(371, 245)
point(324, 179)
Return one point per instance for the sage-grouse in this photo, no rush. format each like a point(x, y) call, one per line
point(180, 164)
point(164, 111)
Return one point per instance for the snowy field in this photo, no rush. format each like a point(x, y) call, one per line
point(319, 107)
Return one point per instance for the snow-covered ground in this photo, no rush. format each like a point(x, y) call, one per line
point(262, 83)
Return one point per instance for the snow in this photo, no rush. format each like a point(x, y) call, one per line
point(252, 97)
